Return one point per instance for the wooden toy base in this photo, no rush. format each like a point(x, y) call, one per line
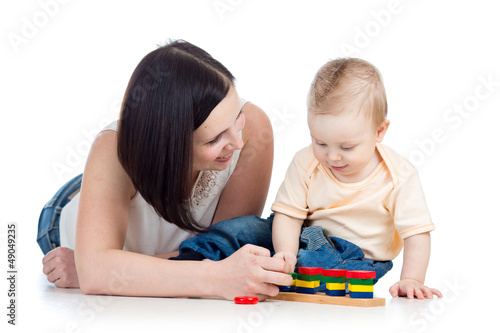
point(336, 300)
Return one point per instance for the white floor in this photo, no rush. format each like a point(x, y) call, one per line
point(43, 308)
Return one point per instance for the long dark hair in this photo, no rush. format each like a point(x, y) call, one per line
point(170, 94)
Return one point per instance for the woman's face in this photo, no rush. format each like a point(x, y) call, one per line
point(215, 141)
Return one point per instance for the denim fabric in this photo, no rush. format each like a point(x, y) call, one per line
point(226, 237)
point(48, 224)
point(316, 250)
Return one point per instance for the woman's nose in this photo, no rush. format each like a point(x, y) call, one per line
point(236, 140)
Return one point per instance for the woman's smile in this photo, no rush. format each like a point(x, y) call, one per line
point(224, 158)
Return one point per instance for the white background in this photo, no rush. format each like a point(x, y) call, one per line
point(65, 65)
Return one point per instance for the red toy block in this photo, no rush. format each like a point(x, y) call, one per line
point(310, 270)
point(335, 272)
point(246, 300)
point(361, 274)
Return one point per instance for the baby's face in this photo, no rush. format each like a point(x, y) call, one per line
point(345, 144)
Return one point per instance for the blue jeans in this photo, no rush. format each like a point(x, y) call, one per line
point(315, 250)
point(48, 224)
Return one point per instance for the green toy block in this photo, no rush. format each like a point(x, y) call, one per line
point(305, 277)
point(333, 279)
point(362, 282)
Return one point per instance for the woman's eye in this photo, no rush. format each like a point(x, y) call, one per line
point(214, 141)
point(218, 137)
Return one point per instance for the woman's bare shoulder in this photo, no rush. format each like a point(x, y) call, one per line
point(103, 164)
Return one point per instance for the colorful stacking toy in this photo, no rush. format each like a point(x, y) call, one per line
point(359, 291)
point(360, 283)
point(308, 280)
point(335, 280)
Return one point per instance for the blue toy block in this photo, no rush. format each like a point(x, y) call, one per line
point(361, 294)
point(335, 292)
point(303, 290)
point(287, 288)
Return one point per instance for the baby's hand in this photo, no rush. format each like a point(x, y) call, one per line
point(411, 288)
point(287, 257)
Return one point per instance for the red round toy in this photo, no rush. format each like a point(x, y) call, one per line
point(246, 300)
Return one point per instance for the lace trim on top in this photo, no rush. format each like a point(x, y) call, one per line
point(206, 187)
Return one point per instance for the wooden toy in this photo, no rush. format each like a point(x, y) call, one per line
point(335, 289)
point(322, 298)
point(307, 284)
point(331, 279)
point(310, 270)
point(361, 275)
point(335, 293)
point(360, 284)
point(361, 295)
point(305, 277)
point(360, 287)
point(303, 290)
point(367, 282)
point(335, 286)
point(308, 280)
point(335, 272)
point(287, 289)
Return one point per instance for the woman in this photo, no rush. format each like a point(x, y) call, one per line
point(185, 154)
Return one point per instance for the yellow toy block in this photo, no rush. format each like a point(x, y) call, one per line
point(360, 288)
point(335, 286)
point(307, 284)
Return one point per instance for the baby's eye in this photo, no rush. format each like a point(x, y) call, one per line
point(346, 148)
point(321, 144)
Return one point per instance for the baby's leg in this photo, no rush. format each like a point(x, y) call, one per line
point(224, 238)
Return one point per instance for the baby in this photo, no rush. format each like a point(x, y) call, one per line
point(348, 201)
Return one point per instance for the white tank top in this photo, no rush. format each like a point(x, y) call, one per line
point(147, 232)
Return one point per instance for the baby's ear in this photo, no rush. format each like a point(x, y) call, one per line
point(382, 129)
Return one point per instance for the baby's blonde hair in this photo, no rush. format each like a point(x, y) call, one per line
point(349, 84)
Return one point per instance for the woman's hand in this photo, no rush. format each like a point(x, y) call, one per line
point(250, 271)
point(59, 266)
point(413, 288)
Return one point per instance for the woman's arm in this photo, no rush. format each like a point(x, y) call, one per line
point(246, 191)
point(104, 268)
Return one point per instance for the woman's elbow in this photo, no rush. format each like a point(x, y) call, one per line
point(89, 286)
